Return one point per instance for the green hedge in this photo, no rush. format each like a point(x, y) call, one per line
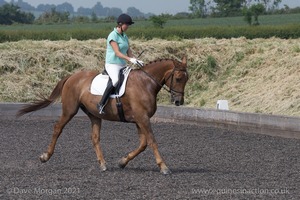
point(191, 32)
point(180, 32)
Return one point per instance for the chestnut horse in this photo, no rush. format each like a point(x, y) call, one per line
point(139, 104)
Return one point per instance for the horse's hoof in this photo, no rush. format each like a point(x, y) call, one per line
point(122, 163)
point(44, 157)
point(165, 171)
point(103, 168)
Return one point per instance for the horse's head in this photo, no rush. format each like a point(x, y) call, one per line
point(177, 80)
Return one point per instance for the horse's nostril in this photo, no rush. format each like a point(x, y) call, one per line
point(177, 103)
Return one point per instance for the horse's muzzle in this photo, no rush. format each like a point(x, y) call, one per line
point(177, 100)
point(177, 103)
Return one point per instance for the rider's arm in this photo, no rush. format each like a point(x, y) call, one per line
point(116, 49)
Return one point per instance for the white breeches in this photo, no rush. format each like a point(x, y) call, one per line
point(113, 72)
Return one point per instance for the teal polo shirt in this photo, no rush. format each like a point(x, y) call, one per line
point(122, 41)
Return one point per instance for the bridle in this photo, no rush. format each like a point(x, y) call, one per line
point(170, 89)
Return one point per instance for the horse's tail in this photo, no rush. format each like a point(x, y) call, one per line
point(43, 102)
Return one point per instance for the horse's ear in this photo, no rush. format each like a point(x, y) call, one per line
point(184, 60)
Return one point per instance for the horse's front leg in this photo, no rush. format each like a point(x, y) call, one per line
point(146, 138)
point(142, 146)
point(96, 126)
point(153, 144)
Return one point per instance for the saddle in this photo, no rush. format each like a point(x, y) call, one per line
point(100, 82)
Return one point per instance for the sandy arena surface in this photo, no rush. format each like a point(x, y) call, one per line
point(207, 163)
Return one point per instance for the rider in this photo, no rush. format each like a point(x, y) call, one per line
point(117, 53)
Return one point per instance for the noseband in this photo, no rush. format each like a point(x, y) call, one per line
point(171, 90)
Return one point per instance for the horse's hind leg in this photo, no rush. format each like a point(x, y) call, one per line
point(96, 126)
point(68, 112)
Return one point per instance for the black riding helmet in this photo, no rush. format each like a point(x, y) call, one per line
point(125, 19)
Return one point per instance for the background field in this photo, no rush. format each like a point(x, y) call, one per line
point(202, 22)
point(281, 26)
point(259, 75)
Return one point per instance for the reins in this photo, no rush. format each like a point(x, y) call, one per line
point(170, 90)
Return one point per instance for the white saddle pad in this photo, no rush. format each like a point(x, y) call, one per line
point(99, 84)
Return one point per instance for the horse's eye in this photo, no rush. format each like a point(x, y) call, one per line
point(178, 80)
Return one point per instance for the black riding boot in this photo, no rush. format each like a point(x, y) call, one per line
point(105, 97)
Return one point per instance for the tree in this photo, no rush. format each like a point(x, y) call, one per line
point(114, 12)
point(45, 7)
point(54, 17)
point(227, 8)
point(10, 14)
point(65, 7)
point(24, 6)
point(198, 8)
point(247, 15)
point(133, 12)
point(80, 19)
point(159, 21)
point(268, 4)
point(85, 11)
point(254, 10)
point(257, 9)
point(98, 9)
point(94, 17)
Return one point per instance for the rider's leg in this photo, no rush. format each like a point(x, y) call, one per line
point(113, 72)
point(105, 97)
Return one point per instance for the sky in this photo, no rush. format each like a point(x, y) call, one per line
point(145, 6)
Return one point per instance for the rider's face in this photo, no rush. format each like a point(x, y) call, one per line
point(125, 27)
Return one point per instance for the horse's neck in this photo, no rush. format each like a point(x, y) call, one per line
point(159, 69)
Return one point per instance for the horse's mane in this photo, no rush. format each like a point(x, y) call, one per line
point(176, 62)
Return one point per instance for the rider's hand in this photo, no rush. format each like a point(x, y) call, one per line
point(137, 62)
point(133, 60)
